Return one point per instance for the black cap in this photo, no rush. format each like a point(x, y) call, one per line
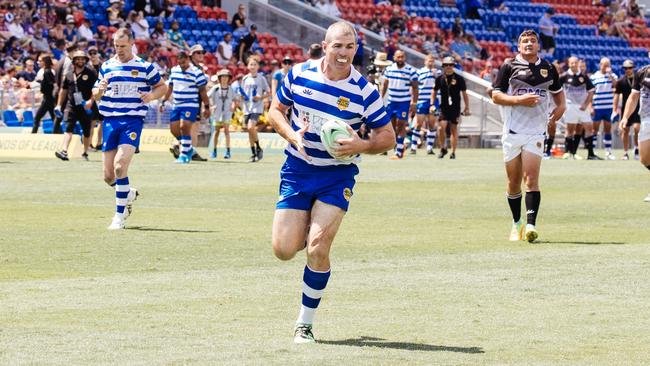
point(550, 11)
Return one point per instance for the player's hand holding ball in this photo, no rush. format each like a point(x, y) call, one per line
point(341, 141)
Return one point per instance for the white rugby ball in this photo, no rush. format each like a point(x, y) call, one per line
point(331, 131)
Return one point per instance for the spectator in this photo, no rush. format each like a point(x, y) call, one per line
point(13, 26)
point(149, 7)
point(457, 28)
point(357, 61)
point(159, 36)
point(238, 23)
point(8, 84)
point(40, 43)
point(547, 31)
point(279, 75)
point(175, 37)
point(604, 23)
point(70, 30)
point(459, 48)
point(396, 22)
point(245, 44)
point(224, 50)
point(328, 7)
point(633, 10)
point(488, 73)
point(139, 25)
point(59, 49)
point(45, 78)
point(113, 13)
point(85, 30)
point(375, 23)
point(315, 51)
point(28, 72)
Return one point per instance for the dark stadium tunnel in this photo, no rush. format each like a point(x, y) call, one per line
point(382, 343)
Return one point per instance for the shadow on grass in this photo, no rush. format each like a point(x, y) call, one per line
point(145, 228)
point(381, 343)
point(579, 242)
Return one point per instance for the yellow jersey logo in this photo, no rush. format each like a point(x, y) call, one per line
point(343, 103)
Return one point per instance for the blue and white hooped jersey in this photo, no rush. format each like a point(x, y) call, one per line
point(426, 80)
point(399, 82)
point(316, 100)
point(126, 83)
point(185, 86)
point(604, 94)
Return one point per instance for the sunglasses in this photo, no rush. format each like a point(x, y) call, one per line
point(628, 68)
point(92, 52)
point(447, 65)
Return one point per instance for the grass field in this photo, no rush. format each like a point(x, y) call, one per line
point(422, 271)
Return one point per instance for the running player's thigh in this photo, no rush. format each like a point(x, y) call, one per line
point(124, 155)
point(252, 121)
point(514, 170)
point(186, 126)
point(290, 229)
point(530, 163)
point(433, 121)
point(175, 127)
point(588, 127)
point(325, 222)
point(401, 125)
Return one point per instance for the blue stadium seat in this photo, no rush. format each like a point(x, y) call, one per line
point(28, 119)
point(10, 119)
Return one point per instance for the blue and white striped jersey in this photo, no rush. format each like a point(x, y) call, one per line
point(604, 94)
point(316, 100)
point(126, 83)
point(399, 82)
point(426, 80)
point(185, 85)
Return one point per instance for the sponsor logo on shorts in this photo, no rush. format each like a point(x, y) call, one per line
point(347, 194)
point(544, 73)
point(539, 145)
point(403, 114)
point(343, 103)
point(133, 136)
point(188, 114)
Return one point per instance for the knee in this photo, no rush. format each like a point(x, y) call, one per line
point(532, 184)
point(318, 249)
point(109, 177)
point(119, 169)
point(282, 252)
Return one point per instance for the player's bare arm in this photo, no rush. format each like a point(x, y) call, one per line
point(279, 122)
point(381, 139)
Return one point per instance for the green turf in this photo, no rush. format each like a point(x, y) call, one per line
point(422, 271)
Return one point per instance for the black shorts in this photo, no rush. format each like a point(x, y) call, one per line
point(449, 116)
point(635, 118)
point(77, 114)
point(548, 42)
point(96, 116)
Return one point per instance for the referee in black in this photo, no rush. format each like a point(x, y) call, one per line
point(450, 85)
point(76, 88)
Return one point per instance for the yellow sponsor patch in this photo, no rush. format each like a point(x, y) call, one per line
point(343, 103)
point(347, 194)
point(187, 114)
point(134, 73)
point(133, 136)
point(544, 73)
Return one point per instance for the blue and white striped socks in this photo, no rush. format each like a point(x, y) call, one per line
point(399, 148)
point(431, 138)
point(314, 283)
point(186, 145)
point(121, 194)
point(607, 141)
point(415, 140)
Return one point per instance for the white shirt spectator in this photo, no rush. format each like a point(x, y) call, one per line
point(140, 29)
point(329, 7)
point(16, 30)
point(85, 32)
point(226, 48)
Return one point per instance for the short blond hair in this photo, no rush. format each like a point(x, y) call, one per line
point(342, 28)
point(123, 32)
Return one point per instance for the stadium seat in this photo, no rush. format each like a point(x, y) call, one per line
point(10, 119)
point(28, 118)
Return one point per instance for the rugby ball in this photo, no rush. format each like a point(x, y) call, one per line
point(331, 131)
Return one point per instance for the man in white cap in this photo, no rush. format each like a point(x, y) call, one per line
point(223, 97)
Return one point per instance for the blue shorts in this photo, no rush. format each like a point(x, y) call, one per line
point(602, 115)
point(424, 108)
point(399, 110)
point(301, 184)
point(183, 113)
point(121, 130)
